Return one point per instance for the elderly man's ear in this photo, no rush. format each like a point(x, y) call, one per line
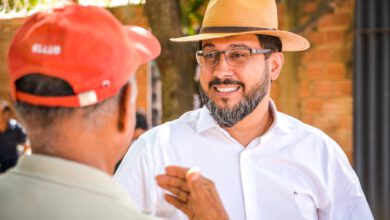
point(127, 106)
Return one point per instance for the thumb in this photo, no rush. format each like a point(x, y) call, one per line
point(192, 178)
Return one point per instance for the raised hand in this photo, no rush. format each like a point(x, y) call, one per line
point(192, 193)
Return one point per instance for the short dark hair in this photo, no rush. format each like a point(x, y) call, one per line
point(39, 84)
point(270, 42)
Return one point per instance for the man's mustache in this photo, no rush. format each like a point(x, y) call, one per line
point(218, 81)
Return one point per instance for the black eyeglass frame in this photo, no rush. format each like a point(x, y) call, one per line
point(251, 51)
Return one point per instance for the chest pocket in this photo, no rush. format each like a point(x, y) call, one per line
point(306, 206)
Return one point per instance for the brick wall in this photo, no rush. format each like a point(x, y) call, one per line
point(322, 76)
point(7, 29)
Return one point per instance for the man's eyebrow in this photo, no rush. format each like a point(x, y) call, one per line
point(208, 45)
point(230, 46)
point(239, 45)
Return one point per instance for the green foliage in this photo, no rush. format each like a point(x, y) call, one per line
point(21, 4)
point(192, 15)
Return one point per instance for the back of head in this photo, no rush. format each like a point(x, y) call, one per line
point(63, 68)
point(5, 111)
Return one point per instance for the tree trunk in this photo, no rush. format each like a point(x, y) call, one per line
point(176, 62)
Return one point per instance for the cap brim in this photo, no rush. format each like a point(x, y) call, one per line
point(290, 41)
point(145, 43)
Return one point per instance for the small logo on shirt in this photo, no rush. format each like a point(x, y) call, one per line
point(46, 49)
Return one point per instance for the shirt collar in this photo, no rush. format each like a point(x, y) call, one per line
point(279, 123)
point(206, 121)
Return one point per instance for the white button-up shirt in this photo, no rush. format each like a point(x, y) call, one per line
point(294, 171)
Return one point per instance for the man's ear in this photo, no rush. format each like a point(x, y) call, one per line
point(276, 61)
point(126, 109)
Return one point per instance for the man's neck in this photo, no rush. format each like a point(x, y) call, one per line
point(254, 125)
point(76, 156)
point(66, 142)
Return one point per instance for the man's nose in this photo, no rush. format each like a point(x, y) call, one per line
point(222, 69)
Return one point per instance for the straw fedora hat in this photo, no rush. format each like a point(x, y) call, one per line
point(224, 18)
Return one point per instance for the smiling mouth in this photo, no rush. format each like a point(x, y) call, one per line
point(226, 89)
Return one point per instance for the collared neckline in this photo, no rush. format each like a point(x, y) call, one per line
point(62, 171)
point(206, 121)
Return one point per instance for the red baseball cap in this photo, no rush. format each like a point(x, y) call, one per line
point(85, 46)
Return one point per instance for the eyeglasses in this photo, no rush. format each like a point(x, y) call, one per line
point(234, 57)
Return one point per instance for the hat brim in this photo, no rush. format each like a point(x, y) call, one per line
point(290, 41)
point(145, 43)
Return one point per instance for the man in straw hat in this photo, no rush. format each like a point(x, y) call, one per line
point(72, 77)
point(265, 164)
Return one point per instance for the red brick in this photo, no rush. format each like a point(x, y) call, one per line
point(343, 88)
point(323, 88)
point(339, 106)
point(313, 105)
point(307, 118)
point(315, 71)
point(310, 7)
point(340, 20)
point(304, 90)
point(336, 71)
point(323, 54)
point(316, 37)
point(335, 37)
point(342, 53)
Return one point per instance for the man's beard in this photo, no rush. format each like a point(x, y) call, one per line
point(228, 117)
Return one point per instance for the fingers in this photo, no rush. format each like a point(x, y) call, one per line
point(204, 198)
point(176, 186)
point(165, 181)
point(192, 193)
point(201, 187)
point(181, 195)
point(178, 204)
point(176, 171)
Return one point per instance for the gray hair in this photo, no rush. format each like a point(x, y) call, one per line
point(43, 120)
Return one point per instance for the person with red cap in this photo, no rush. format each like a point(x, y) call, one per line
point(265, 164)
point(71, 74)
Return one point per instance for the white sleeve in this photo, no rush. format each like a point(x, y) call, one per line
point(135, 174)
point(346, 195)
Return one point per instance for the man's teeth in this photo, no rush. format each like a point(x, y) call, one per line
point(226, 89)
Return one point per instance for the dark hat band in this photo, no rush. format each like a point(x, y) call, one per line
point(231, 29)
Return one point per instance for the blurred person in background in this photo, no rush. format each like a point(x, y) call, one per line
point(141, 125)
point(12, 134)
